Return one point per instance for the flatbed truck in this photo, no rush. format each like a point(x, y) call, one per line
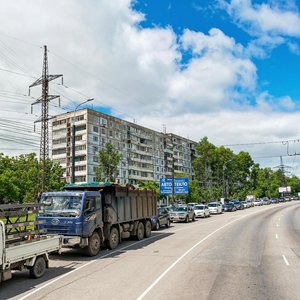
point(22, 244)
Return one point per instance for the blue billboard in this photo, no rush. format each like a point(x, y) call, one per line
point(181, 186)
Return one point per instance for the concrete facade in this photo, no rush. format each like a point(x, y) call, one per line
point(146, 154)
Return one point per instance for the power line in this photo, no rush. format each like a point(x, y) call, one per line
point(262, 143)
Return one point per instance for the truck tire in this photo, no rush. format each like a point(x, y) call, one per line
point(114, 238)
point(140, 231)
point(148, 228)
point(93, 247)
point(39, 268)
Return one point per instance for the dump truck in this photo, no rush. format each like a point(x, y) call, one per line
point(23, 245)
point(95, 215)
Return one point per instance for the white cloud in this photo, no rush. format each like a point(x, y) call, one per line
point(262, 18)
point(140, 72)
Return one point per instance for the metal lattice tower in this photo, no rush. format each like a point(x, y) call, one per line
point(44, 119)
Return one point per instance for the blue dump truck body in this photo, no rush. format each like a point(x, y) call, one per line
point(95, 215)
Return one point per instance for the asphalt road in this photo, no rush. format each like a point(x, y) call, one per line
point(249, 254)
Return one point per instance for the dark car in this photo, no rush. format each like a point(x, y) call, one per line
point(237, 204)
point(229, 207)
point(161, 218)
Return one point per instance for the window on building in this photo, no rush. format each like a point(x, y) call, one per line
point(95, 128)
point(81, 127)
point(95, 139)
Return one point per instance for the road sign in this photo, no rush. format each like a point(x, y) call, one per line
point(165, 185)
point(181, 186)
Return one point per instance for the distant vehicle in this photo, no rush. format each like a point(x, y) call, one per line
point(274, 200)
point(246, 204)
point(250, 203)
point(161, 218)
point(201, 210)
point(257, 202)
point(182, 213)
point(266, 201)
point(192, 204)
point(215, 207)
point(229, 207)
point(237, 204)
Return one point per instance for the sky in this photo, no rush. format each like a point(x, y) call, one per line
point(225, 69)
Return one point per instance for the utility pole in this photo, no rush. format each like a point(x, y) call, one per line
point(44, 119)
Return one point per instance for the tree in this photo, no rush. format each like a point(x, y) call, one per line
point(20, 178)
point(109, 159)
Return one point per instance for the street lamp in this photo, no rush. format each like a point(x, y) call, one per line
point(73, 139)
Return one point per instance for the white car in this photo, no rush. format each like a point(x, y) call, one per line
point(215, 207)
point(257, 202)
point(201, 210)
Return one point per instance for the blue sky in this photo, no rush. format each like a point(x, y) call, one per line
point(225, 69)
point(277, 71)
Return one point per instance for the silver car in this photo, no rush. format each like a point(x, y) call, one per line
point(182, 213)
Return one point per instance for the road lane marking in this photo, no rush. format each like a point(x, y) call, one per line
point(285, 260)
point(185, 254)
point(83, 266)
point(277, 225)
point(120, 249)
point(276, 236)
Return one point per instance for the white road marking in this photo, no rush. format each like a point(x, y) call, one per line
point(277, 225)
point(285, 260)
point(185, 254)
point(276, 236)
point(120, 249)
point(83, 266)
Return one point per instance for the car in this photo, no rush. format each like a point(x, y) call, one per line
point(245, 204)
point(182, 213)
point(257, 202)
point(266, 201)
point(201, 210)
point(229, 206)
point(215, 207)
point(192, 204)
point(274, 201)
point(250, 203)
point(237, 204)
point(161, 218)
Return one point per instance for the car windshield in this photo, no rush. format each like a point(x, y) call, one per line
point(213, 204)
point(199, 207)
point(180, 209)
point(61, 205)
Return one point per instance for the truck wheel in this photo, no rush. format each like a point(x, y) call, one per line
point(39, 268)
point(114, 238)
point(140, 231)
point(148, 228)
point(93, 247)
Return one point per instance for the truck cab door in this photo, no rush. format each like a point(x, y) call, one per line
point(92, 214)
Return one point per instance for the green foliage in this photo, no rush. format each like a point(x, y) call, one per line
point(20, 178)
point(150, 185)
point(221, 173)
point(109, 159)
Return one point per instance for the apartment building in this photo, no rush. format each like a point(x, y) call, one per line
point(146, 154)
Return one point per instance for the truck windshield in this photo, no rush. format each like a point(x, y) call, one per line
point(61, 205)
